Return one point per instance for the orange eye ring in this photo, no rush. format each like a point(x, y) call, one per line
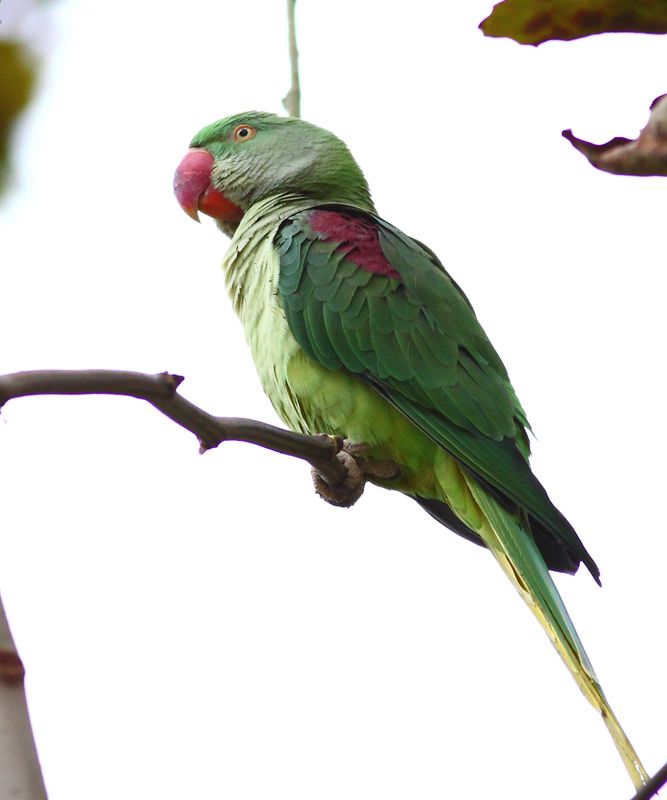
point(243, 132)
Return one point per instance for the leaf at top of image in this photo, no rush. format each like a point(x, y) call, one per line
point(537, 21)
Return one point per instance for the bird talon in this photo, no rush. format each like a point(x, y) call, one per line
point(358, 471)
point(346, 493)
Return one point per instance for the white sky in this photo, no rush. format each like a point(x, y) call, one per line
point(205, 626)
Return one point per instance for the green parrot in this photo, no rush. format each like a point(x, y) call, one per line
point(357, 330)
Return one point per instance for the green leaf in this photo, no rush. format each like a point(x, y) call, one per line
point(537, 21)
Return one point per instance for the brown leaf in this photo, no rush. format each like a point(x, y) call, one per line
point(537, 21)
point(646, 155)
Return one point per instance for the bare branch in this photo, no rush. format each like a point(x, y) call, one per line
point(160, 390)
point(292, 100)
point(20, 773)
point(653, 786)
point(340, 471)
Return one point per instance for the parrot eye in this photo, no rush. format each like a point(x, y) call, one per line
point(243, 132)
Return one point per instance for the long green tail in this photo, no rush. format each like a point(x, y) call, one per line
point(519, 557)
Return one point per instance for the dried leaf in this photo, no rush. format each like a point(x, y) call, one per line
point(646, 155)
point(537, 21)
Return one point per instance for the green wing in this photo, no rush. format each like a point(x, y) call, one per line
point(360, 295)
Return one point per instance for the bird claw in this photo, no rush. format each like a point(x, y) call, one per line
point(346, 493)
point(358, 470)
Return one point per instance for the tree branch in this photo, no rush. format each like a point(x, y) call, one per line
point(340, 471)
point(292, 100)
point(161, 392)
point(653, 786)
point(20, 773)
point(333, 459)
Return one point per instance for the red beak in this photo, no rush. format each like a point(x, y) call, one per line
point(192, 179)
point(193, 190)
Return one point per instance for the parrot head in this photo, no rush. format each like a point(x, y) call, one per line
point(249, 157)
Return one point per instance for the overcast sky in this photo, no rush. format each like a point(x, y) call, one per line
point(204, 626)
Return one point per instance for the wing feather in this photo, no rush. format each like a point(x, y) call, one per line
point(393, 317)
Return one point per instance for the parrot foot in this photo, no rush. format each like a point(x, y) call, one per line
point(346, 493)
point(359, 470)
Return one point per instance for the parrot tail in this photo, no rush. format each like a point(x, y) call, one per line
point(523, 564)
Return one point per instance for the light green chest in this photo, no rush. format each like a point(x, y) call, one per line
point(252, 269)
point(306, 396)
point(253, 289)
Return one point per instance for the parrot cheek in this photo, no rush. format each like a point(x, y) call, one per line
point(216, 205)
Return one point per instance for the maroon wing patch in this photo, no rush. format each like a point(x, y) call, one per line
point(359, 235)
